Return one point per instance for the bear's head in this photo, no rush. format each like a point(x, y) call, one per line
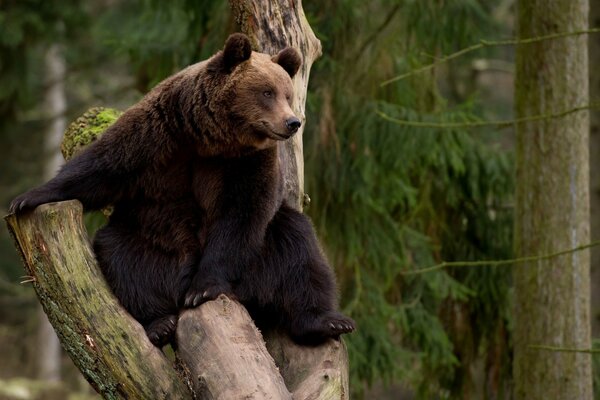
point(253, 94)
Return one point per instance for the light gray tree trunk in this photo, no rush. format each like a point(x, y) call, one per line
point(49, 351)
point(552, 297)
point(594, 51)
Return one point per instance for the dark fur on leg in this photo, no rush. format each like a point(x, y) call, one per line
point(291, 285)
point(147, 281)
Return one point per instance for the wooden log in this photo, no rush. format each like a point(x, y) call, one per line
point(108, 346)
point(234, 362)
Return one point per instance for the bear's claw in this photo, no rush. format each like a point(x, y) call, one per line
point(195, 297)
point(30, 200)
point(313, 330)
point(161, 331)
point(338, 324)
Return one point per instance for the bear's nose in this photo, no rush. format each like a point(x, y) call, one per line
point(293, 124)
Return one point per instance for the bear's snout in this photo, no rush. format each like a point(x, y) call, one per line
point(292, 124)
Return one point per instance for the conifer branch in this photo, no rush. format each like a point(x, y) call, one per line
point(487, 43)
point(496, 263)
point(563, 349)
point(479, 124)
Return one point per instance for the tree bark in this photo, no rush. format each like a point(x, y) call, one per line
point(552, 297)
point(594, 65)
point(317, 373)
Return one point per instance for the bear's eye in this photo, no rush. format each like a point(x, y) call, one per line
point(268, 93)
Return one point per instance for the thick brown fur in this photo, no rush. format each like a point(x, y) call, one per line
point(193, 174)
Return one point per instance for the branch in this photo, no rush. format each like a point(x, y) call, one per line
point(563, 349)
point(488, 43)
point(108, 346)
point(479, 124)
point(496, 263)
point(377, 31)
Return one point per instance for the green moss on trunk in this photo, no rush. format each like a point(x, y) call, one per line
point(86, 129)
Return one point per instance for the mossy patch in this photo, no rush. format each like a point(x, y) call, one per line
point(86, 129)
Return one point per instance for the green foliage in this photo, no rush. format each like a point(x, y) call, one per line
point(24, 25)
point(161, 37)
point(387, 198)
point(27, 27)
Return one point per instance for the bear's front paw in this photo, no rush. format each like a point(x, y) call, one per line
point(201, 292)
point(161, 331)
point(28, 201)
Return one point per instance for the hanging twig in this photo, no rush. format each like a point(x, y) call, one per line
point(496, 263)
point(563, 349)
point(479, 124)
point(488, 43)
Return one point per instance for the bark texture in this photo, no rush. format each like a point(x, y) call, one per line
point(552, 297)
point(315, 373)
point(594, 65)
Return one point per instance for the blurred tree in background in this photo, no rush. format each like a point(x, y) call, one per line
point(386, 198)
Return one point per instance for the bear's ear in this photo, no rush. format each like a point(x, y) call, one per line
point(289, 59)
point(237, 49)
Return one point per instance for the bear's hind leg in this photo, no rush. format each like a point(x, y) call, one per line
point(145, 279)
point(294, 281)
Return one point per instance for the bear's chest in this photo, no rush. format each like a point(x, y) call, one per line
point(247, 188)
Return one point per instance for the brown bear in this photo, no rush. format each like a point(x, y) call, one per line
point(194, 178)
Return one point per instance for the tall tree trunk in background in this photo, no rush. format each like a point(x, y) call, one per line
point(49, 350)
point(594, 51)
point(552, 297)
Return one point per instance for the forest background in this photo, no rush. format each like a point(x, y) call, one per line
point(386, 198)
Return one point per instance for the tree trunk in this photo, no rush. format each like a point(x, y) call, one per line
point(594, 52)
point(220, 353)
point(49, 353)
point(552, 297)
